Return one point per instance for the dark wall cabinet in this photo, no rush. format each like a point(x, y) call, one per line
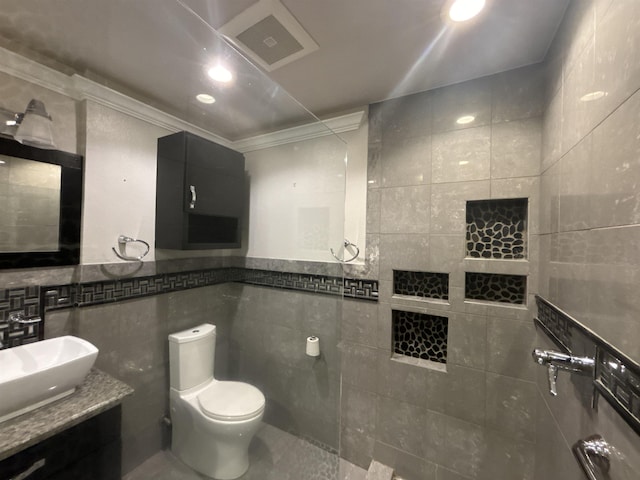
point(200, 194)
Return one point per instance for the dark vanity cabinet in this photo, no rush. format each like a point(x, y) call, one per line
point(200, 194)
point(91, 450)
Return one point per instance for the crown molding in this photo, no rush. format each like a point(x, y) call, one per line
point(80, 88)
point(86, 89)
point(331, 126)
point(33, 72)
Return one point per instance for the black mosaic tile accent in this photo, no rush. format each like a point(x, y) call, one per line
point(497, 228)
point(15, 300)
point(495, 287)
point(109, 291)
point(57, 297)
point(362, 289)
point(623, 383)
point(421, 284)
point(352, 288)
point(617, 377)
point(96, 293)
point(420, 335)
point(61, 296)
point(556, 322)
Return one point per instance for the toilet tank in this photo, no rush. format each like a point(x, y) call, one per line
point(191, 356)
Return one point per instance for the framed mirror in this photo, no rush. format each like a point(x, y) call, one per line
point(41, 214)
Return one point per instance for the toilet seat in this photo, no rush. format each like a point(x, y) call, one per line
point(231, 401)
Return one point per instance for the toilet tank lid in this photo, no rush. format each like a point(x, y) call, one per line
point(192, 334)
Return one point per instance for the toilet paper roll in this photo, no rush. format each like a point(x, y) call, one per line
point(313, 346)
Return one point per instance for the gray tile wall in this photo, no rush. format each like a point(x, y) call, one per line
point(132, 339)
point(476, 419)
point(267, 341)
point(590, 219)
point(261, 339)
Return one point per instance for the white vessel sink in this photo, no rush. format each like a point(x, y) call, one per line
point(38, 373)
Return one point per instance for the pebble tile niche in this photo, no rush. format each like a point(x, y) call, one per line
point(497, 229)
point(421, 284)
point(495, 287)
point(420, 335)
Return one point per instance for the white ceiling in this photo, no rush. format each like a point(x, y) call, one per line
point(370, 50)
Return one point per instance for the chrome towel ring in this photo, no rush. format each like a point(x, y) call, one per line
point(122, 245)
point(346, 245)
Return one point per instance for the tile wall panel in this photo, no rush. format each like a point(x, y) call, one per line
point(589, 267)
point(495, 157)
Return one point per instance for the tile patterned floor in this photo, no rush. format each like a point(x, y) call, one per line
point(274, 455)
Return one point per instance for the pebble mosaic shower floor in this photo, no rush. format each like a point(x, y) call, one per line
point(273, 455)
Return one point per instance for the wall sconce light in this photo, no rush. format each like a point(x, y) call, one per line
point(33, 127)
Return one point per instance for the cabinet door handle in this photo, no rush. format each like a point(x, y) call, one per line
point(192, 203)
point(27, 473)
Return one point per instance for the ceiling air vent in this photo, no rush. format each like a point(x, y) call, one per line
point(269, 35)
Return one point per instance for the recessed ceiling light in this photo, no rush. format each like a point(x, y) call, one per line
point(220, 74)
point(205, 98)
point(463, 10)
point(591, 96)
point(463, 162)
point(465, 119)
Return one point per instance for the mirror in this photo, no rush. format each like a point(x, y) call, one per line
point(41, 194)
point(30, 193)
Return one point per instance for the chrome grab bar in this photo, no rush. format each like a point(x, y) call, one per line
point(593, 455)
point(561, 361)
point(123, 240)
point(346, 244)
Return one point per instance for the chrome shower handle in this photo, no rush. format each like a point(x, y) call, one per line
point(561, 361)
point(552, 373)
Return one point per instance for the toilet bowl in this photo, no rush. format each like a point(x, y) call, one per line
point(213, 421)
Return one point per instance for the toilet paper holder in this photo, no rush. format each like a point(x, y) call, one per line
point(313, 346)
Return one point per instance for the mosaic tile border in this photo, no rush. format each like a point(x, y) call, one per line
point(39, 300)
point(616, 378)
point(109, 291)
point(421, 284)
point(420, 335)
point(306, 282)
point(27, 301)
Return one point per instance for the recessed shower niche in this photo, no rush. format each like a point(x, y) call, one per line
point(420, 335)
point(497, 229)
point(494, 287)
point(427, 285)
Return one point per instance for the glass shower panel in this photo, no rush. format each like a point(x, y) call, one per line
point(122, 74)
point(296, 169)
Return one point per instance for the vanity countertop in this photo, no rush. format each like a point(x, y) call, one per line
point(98, 393)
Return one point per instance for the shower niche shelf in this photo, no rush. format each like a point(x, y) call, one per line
point(497, 229)
point(496, 287)
point(420, 335)
point(421, 285)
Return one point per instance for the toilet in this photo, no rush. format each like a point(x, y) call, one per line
point(213, 421)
